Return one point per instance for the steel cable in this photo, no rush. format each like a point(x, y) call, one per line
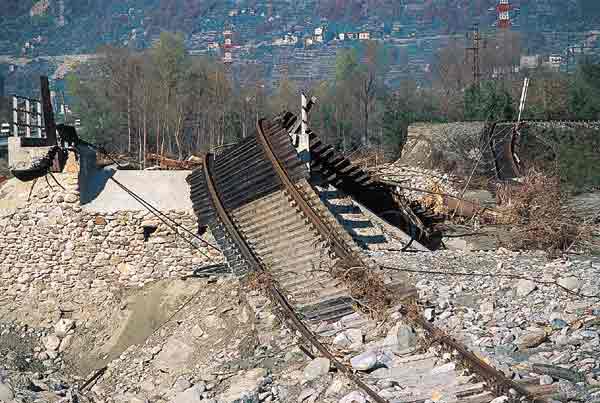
point(158, 214)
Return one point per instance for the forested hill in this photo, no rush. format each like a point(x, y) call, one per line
point(80, 26)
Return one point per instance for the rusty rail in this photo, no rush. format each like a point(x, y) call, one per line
point(350, 259)
point(500, 383)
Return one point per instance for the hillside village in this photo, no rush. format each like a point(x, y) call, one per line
point(279, 36)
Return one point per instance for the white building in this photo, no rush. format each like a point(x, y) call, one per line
point(364, 36)
point(530, 62)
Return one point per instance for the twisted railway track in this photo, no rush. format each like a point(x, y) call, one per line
point(268, 220)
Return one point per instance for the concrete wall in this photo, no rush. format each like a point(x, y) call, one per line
point(165, 190)
point(431, 144)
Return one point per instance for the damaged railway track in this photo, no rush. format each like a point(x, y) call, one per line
point(268, 220)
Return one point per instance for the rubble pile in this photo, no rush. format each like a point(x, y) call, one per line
point(32, 368)
point(524, 313)
point(228, 345)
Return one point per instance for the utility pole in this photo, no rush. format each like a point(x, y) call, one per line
point(475, 36)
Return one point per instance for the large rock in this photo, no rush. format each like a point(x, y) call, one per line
point(245, 387)
point(351, 338)
point(570, 283)
point(531, 338)
point(354, 397)
point(131, 398)
point(525, 287)
point(401, 339)
point(174, 354)
point(364, 361)
point(66, 343)
point(316, 368)
point(337, 386)
point(182, 385)
point(191, 395)
point(6, 393)
point(51, 343)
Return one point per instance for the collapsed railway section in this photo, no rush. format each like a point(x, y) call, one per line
point(268, 220)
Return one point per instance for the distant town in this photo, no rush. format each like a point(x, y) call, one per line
point(285, 39)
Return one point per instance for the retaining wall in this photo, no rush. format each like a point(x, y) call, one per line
point(56, 254)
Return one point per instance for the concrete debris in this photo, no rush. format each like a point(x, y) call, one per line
point(401, 339)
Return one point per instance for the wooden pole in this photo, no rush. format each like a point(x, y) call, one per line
point(49, 123)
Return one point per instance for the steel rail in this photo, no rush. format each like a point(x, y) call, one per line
point(501, 384)
point(339, 247)
point(273, 291)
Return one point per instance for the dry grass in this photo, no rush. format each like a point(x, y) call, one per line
point(366, 287)
point(538, 211)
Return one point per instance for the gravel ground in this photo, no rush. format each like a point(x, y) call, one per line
point(527, 314)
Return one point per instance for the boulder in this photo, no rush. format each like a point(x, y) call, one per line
point(174, 354)
point(66, 343)
point(532, 338)
point(401, 339)
point(570, 283)
point(51, 343)
point(364, 361)
point(62, 327)
point(354, 397)
point(244, 388)
point(190, 395)
point(316, 368)
point(182, 385)
point(525, 287)
point(6, 393)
